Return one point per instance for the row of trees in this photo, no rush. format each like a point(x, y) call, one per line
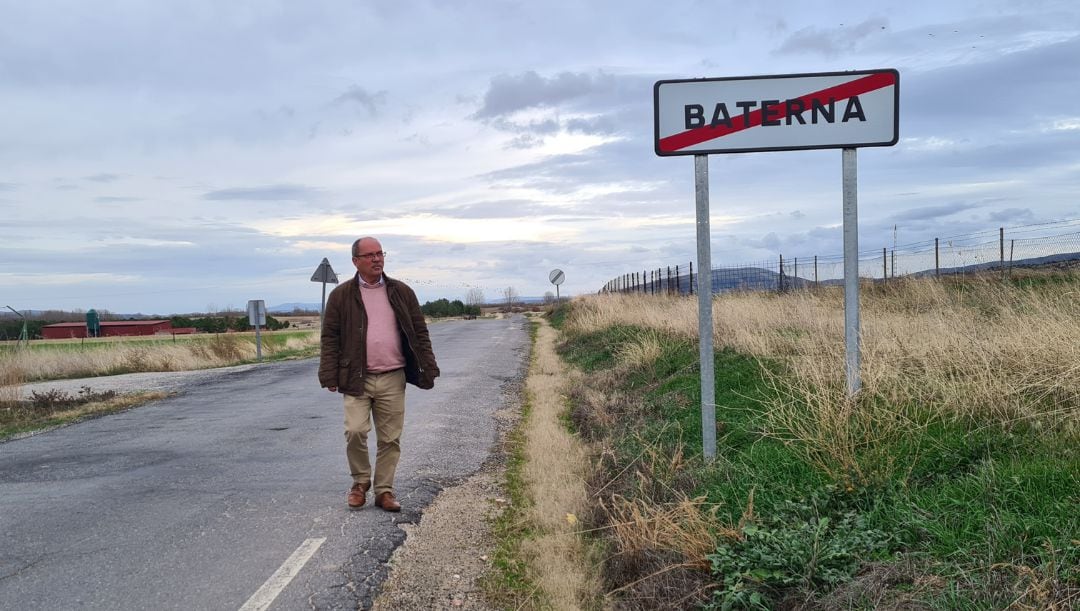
point(441, 308)
point(10, 328)
point(474, 299)
point(221, 324)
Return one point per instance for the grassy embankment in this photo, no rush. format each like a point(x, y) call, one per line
point(952, 481)
point(51, 360)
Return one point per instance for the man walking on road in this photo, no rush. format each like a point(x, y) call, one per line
point(374, 340)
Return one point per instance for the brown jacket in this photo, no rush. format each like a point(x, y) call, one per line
point(344, 342)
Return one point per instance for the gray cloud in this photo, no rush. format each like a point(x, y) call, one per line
point(996, 92)
point(102, 177)
point(357, 95)
point(594, 125)
point(107, 199)
point(510, 93)
point(932, 212)
point(831, 42)
point(8, 186)
point(524, 141)
point(267, 193)
point(1012, 215)
point(510, 208)
point(610, 162)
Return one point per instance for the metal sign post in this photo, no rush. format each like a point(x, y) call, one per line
point(557, 277)
point(256, 311)
point(851, 271)
point(705, 297)
point(324, 273)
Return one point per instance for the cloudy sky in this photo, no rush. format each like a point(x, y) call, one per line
point(170, 156)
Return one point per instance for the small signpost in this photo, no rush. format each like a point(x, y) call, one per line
point(557, 277)
point(748, 114)
point(256, 311)
point(324, 273)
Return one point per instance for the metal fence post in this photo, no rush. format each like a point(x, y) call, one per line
point(937, 259)
point(781, 273)
point(1001, 247)
point(1012, 244)
point(884, 264)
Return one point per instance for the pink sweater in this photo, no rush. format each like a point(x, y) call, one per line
point(383, 340)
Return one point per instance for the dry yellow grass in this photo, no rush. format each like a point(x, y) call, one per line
point(555, 474)
point(11, 381)
point(980, 351)
point(118, 357)
point(687, 528)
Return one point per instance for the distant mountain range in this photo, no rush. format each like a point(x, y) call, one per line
point(286, 308)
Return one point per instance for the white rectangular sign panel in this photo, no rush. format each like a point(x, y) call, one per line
point(256, 311)
point(776, 113)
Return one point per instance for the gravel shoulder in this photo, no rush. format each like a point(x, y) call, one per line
point(165, 381)
point(445, 556)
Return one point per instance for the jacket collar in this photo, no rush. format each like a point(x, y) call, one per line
point(387, 281)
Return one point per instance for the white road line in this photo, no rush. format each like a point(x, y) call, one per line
point(269, 591)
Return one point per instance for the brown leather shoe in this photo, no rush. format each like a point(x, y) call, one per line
point(387, 502)
point(358, 495)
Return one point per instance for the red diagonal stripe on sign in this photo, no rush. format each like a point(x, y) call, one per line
point(843, 91)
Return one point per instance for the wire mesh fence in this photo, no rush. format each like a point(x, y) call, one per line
point(969, 253)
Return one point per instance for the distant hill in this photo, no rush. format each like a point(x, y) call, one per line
point(749, 278)
point(1048, 261)
point(286, 308)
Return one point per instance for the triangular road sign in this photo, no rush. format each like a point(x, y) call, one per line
point(324, 273)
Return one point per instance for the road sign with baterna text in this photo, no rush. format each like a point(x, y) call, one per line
point(776, 113)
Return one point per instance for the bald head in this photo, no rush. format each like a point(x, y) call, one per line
point(367, 241)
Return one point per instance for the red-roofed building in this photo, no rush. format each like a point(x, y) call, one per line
point(67, 330)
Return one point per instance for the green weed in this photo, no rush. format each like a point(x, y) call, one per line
point(949, 512)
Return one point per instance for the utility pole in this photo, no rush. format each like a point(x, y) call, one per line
point(24, 337)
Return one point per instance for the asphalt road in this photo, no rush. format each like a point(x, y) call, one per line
point(196, 501)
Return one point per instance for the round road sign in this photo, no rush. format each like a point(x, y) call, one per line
point(556, 276)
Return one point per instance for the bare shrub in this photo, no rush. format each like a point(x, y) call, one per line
point(134, 358)
point(640, 350)
point(688, 527)
point(661, 551)
point(226, 347)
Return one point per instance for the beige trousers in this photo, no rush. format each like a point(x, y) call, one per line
point(383, 402)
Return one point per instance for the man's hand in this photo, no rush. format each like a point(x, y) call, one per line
point(332, 388)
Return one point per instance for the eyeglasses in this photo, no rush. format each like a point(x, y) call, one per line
point(371, 256)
